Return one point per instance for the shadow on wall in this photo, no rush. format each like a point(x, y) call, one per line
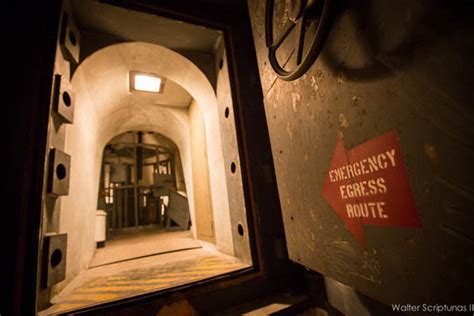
point(391, 36)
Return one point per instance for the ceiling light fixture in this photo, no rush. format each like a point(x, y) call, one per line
point(145, 82)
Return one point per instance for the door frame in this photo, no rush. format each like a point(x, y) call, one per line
point(265, 225)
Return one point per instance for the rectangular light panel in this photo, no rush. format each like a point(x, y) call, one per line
point(147, 83)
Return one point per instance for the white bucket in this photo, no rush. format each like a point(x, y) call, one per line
point(100, 225)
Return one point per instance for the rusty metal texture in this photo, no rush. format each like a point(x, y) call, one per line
point(54, 259)
point(58, 172)
point(387, 66)
point(63, 99)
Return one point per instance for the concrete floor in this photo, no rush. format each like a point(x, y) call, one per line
point(115, 275)
point(142, 243)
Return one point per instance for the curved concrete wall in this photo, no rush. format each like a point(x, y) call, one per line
point(106, 108)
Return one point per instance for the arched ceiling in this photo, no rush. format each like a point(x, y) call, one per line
point(173, 95)
point(112, 72)
point(103, 78)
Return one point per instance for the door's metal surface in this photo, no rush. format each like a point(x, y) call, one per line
point(54, 259)
point(387, 66)
point(58, 172)
point(63, 99)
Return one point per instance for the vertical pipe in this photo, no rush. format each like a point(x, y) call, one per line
point(135, 200)
point(139, 155)
point(173, 169)
point(120, 207)
point(125, 208)
point(129, 193)
point(101, 198)
point(135, 188)
point(114, 207)
point(107, 176)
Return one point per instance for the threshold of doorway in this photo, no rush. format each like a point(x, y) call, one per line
point(136, 277)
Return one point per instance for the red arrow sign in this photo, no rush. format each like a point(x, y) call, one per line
point(368, 185)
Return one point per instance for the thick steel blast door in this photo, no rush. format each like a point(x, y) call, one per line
point(373, 149)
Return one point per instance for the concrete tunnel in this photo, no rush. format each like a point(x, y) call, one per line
point(105, 108)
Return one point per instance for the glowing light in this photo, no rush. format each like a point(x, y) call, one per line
point(147, 83)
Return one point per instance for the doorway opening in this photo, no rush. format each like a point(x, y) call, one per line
point(152, 195)
point(140, 171)
point(142, 195)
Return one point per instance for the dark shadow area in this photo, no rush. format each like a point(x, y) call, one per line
point(391, 35)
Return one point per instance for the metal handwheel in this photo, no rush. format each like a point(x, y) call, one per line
point(301, 14)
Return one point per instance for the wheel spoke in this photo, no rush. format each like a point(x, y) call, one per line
point(307, 46)
point(269, 22)
point(301, 31)
point(288, 28)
